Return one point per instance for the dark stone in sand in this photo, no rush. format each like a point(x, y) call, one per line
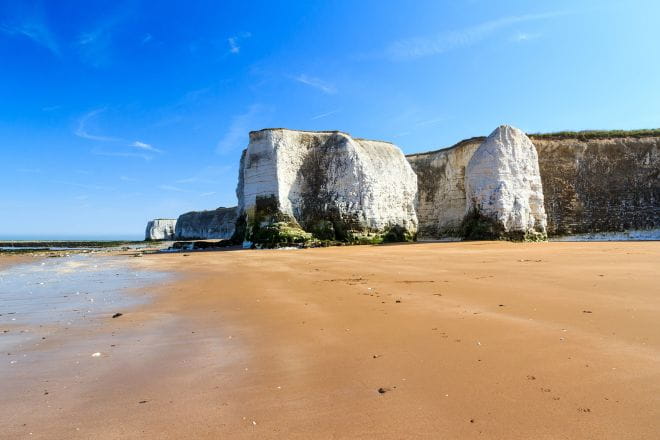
point(117, 315)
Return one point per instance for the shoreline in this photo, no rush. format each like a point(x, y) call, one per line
point(466, 340)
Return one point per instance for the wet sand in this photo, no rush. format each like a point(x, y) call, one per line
point(7, 259)
point(431, 340)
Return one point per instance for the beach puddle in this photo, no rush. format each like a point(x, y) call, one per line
point(64, 292)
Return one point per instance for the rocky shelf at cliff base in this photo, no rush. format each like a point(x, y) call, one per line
point(311, 188)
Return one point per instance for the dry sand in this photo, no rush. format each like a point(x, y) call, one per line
point(467, 340)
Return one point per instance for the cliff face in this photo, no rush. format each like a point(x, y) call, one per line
point(160, 229)
point(503, 186)
point(294, 185)
point(441, 188)
point(218, 224)
point(599, 185)
point(589, 185)
point(327, 183)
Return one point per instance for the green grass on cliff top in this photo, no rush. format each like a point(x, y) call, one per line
point(579, 135)
point(597, 134)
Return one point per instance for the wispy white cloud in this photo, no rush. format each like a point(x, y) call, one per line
point(147, 38)
point(207, 194)
point(323, 115)
point(101, 152)
point(524, 36)
point(234, 42)
point(83, 132)
point(84, 185)
point(237, 133)
point(172, 188)
point(233, 45)
point(431, 121)
point(95, 45)
point(413, 48)
point(145, 146)
point(36, 30)
point(127, 179)
point(316, 83)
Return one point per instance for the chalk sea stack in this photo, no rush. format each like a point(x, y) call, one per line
point(160, 229)
point(503, 189)
point(325, 185)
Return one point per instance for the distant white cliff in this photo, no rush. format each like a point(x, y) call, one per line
point(160, 229)
point(216, 224)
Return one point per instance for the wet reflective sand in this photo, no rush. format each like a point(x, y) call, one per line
point(49, 295)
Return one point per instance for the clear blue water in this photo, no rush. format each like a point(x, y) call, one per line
point(43, 248)
point(74, 237)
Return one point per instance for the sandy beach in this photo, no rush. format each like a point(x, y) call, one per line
point(429, 340)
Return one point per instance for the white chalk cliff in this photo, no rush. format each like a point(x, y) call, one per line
point(160, 229)
point(216, 224)
point(503, 183)
point(356, 184)
point(337, 187)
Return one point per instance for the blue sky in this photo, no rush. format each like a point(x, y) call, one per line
point(112, 113)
